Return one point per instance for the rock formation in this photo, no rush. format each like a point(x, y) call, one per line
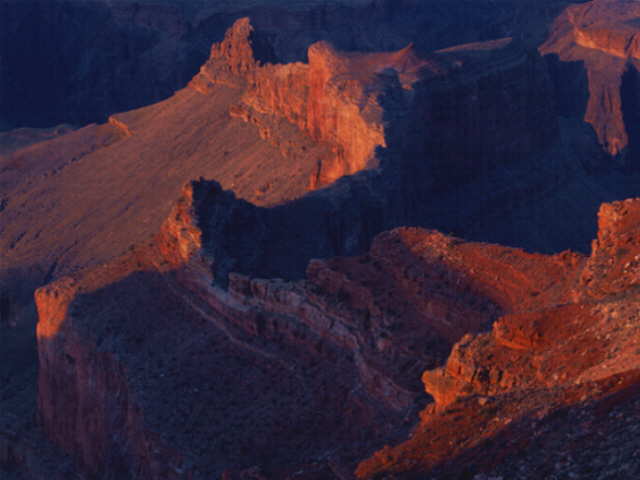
point(603, 36)
point(87, 60)
point(547, 358)
point(341, 115)
point(261, 135)
point(380, 319)
point(383, 317)
point(283, 319)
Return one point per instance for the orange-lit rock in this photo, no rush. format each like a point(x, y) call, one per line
point(613, 269)
point(179, 236)
point(556, 355)
point(333, 98)
point(603, 35)
point(383, 317)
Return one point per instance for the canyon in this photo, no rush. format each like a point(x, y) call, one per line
point(577, 358)
point(319, 240)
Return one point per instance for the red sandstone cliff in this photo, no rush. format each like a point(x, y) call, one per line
point(334, 98)
point(604, 36)
point(357, 102)
point(362, 329)
point(560, 354)
point(155, 352)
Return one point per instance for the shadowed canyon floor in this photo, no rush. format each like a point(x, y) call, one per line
point(246, 279)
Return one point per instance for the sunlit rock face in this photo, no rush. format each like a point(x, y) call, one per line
point(334, 98)
point(335, 332)
point(361, 329)
point(379, 319)
point(409, 123)
point(82, 58)
point(359, 102)
point(603, 35)
point(283, 317)
point(570, 353)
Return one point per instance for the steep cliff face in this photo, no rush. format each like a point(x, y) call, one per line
point(613, 269)
point(332, 98)
point(561, 354)
point(195, 399)
point(360, 329)
point(379, 319)
point(94, 412)
point(167, 346)
point(271, 133)
point(357, 103)
point(603, 36)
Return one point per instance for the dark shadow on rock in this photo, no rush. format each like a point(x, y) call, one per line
point(533, 447)
point(533, 191)
point(162, 382)
point(571, 86)
point(630, 98)
point(262, 46)
point(507, 199)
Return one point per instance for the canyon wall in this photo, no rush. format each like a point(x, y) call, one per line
point(361, 330)
point(312, 97)
point(145, 50)
point(554, 356)
point(490, 89)
point(358, 103)
point(456, 138)
point(603, 37)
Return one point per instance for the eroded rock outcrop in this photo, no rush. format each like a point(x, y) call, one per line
point(333, 98)
point(602, 35)
point(613, 268)
point(361, 329)
point(559, 354)
point(359, 102)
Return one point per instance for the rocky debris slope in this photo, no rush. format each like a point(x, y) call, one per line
point(567, 358)
point(360, 330)
point(19, 138)
point(603, 36)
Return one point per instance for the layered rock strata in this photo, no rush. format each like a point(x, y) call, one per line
point(360, 329)
point(561, 355)
point(333, 98)
point(602, 36)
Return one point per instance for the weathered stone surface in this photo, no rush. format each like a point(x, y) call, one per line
point(383, 317)
point(333, 98)
point(187, 342)
point(552, 356)
point(603, 36)
point(613, 270)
